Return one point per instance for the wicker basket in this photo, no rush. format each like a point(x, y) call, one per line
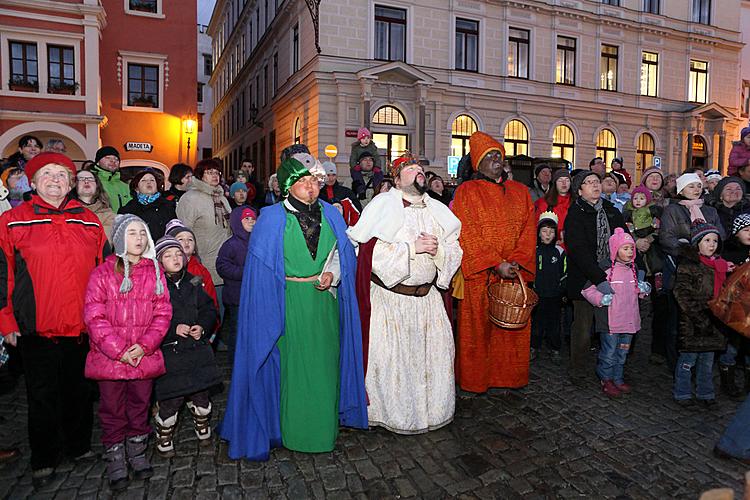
point(511, 303)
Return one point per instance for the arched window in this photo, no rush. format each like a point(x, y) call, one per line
point(516, 138)
point(700, 151)
point(394, 141)
point(606, 147)
point(644, 157)
point(297, 132)
point(462, 128)
point(563, 143)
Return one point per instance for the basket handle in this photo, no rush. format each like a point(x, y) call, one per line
point(494, 271)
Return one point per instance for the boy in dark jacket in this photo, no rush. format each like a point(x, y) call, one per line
point(700, 275)
point(549, 283)
point(191, 369)
point(230, 264)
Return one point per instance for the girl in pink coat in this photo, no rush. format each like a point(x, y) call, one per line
point(617, 314)
point(127, 313)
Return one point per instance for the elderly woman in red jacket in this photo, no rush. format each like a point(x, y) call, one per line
point(50, 244)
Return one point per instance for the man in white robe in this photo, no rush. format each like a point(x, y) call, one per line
point(408, 253)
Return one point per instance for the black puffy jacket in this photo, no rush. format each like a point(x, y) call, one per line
point(155, 214)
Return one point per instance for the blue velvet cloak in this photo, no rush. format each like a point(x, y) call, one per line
point(252, 423)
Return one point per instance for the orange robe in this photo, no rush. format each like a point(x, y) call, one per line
point(497, 226)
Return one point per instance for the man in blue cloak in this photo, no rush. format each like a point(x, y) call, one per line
point(298, 370)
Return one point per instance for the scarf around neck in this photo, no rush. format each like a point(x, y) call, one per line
point(145, 199)
point(720, 267)
point(602, 231)
point(694, 206)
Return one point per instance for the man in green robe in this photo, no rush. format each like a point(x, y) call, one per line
point(298, 371)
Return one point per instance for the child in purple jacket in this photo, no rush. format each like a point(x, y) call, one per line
point(617, 315)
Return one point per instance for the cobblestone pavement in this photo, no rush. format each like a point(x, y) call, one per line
point(549, 440)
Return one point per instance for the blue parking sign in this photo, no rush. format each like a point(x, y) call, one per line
point(453, 165)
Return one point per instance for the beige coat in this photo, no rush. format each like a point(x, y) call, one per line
point(196, 211)
point(105, 214)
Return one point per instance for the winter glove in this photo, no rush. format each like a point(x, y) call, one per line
point(644, 287)
point(605, 288)
point(607, 299)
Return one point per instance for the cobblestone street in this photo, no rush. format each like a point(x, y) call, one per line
point(549, 440)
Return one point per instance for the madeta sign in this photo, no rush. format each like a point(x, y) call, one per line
point(143, 147)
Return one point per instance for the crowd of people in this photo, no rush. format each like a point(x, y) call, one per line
point(362, 307)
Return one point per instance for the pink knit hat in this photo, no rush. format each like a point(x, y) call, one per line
point(617, 240)
point(644, 191)
point(362, 133)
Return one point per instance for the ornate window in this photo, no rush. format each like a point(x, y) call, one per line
point(563, 143)
point(462, 128)
point(516, 138)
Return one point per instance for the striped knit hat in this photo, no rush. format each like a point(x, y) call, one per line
point(119, 231)
point(740, 222)
point(700, 229)
point(166, 242)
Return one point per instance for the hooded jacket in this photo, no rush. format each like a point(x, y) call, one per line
point(622, 315)
point(693, 289)
point(738, 157)
point(196, 211)
point(117, 320)
point(189, 363)
point(580, 240)
point(230, 263)
point(117, 191)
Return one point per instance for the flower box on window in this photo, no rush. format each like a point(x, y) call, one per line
point(24, 85)
point(143, 101)
point(63, 88)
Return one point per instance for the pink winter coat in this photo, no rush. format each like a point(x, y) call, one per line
point(116, 321)
point(622, 316)
point(738, 157)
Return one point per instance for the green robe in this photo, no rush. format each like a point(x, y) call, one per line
point(309, 348)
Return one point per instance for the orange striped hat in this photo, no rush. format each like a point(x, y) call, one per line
point(481, 145)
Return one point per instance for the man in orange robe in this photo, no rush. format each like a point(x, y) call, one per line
point(499, 234)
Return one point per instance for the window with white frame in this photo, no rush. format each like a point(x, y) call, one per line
point(649, 73)
point(518, 52)
point(467, 45)
point(565, 70)
point(40, 63)
point(149, 8)
point(24, 66)
point(698, 89)
point(143, 81)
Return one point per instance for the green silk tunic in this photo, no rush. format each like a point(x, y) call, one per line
point(309, 347)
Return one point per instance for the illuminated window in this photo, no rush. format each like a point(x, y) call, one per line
point(644, 157)
point(565, 71)
point(518, 53)
point(606, 146)
point(698, 90)
point(649, 73)
point(388, 115)
point(563, 143)
point(462, 128)
point(516, 138)
point(394, 142)
point(297, 132)
point(608, 68)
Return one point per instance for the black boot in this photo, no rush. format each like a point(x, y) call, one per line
point(728, 381)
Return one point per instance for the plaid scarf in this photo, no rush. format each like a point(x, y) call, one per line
point(221, 214)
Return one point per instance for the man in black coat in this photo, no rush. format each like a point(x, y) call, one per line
point(590, 222)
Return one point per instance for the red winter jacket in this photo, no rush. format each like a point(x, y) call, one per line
point(47, 256)
point(118, 320)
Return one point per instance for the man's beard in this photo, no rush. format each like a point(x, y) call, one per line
point(415, 187)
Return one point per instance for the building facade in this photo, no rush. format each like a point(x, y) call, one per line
point(95, 72)
point(558, 78)
point(205, 94)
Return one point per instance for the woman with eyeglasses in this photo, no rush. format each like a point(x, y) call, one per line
point(89, 191)
point(205, 210)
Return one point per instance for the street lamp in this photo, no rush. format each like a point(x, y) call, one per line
point(189, 126)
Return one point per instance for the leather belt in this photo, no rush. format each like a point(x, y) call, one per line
point(411, 290)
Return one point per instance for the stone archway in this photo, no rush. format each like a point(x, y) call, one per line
point(78, 147)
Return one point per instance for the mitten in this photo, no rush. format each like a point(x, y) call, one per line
point(607, 299)
point(644, 287)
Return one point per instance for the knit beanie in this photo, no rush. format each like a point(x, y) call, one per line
point(701, 228)
point(621, 179)
point(744, 132)
point(106, 151)
point(740, 222)
point(650, 171)
point(166, 242)
point(330, 167)
point(644, 191)
point(362, 133)
point(617, 240)
point(119, 231)
point(712, 175)
point(579, 179)
point(236, 186)
point(725, 182)
point(541, 167)
point(686, 179)
point(175, 227)
point(559, 173)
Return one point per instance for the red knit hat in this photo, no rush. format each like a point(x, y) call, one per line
point(44, 159)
